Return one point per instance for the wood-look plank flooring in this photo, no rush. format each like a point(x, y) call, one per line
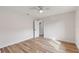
point(40, 45)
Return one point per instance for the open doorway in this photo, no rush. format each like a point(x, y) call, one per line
point(41, 28)
point(38, 28)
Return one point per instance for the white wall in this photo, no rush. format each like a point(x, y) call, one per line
point(14, 27)
point(77, 28)
point(60, 27)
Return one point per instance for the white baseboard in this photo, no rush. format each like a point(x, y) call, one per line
point(68, 41)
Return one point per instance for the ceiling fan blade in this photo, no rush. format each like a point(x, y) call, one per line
point(39, 8)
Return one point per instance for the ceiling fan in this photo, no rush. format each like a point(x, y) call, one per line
point(41, 9)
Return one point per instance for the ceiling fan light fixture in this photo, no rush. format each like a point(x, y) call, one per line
point(41, 11)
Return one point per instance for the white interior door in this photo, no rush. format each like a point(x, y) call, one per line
point(36, 28)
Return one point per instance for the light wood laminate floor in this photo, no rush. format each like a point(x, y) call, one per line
point(41, 45)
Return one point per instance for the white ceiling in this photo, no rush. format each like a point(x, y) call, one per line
point(17, 18)
point(25, 10)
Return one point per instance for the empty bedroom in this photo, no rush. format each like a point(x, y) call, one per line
point(39, 29)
